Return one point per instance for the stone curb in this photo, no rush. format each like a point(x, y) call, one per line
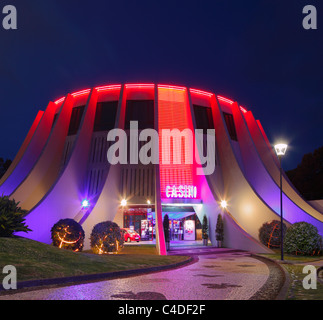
point(35, 284)
point(284, 291)
point(282, 294)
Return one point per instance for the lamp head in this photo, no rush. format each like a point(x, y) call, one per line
point(280, 149)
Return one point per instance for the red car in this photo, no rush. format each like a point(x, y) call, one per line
point(130, 235)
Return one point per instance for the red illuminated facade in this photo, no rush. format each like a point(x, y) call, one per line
point(63, 164)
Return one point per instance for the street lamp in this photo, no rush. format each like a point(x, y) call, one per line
point(280, 151)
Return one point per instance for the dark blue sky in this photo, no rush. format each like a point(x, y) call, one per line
point(255, 52)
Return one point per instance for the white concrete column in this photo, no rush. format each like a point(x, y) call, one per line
point(160, 237)
point(63, 199)
point(32, 152)
point(45, 172)
point(23, 147)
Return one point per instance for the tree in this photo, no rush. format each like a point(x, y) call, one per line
point(205, 228)
point(302, 238)
point(4, 166)
point(308, 176)
point(166, 231)
point(270, 234)
point(12, 217)
point(219, 230)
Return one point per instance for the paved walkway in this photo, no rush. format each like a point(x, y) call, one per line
point(217, 275)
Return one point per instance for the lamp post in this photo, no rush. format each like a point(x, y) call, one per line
point(280, 150)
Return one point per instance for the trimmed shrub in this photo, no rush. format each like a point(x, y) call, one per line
point(12, 217)
point(205, 231)
point(68, 234)
point(270, 234)
point(302, 238)
point(205, 228)
point(106, 237)
point(219, 230)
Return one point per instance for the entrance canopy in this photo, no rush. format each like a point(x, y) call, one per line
point(177, 212)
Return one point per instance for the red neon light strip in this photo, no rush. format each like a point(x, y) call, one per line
point(81, 93)
point(140, 85)
point(109, 87)
point(163, 86)
point(202, 93)
point(59, 100)
point(243, 110)
point(225, 100)
point(231, 102)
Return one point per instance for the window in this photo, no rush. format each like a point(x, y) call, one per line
point(76, 118)
point(54, 120)
point(141, 111)
point(105, 116)
point(230, 125)
point(204, 120)
point(203, 117)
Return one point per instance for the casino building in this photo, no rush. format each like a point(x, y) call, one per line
point(61, 170)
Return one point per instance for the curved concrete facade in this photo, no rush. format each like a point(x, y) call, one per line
point(57, 168)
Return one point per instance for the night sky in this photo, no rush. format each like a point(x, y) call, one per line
point(254, 52)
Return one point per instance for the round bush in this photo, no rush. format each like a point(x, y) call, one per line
point(270, 234)
point(106, 237)
point(68, 234)
point(302, 238)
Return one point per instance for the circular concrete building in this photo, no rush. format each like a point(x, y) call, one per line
point(132, 153)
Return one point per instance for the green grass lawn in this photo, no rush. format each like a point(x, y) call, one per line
point(296, 290)
point(291, 258)
point(294, 266)
point(35, 260)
